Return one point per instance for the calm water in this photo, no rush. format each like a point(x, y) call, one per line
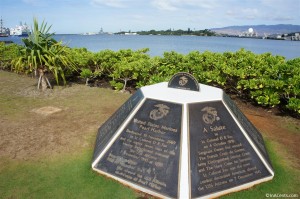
point(181, 44)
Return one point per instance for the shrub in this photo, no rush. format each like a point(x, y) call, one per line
point(43, 54)
point(8, 52)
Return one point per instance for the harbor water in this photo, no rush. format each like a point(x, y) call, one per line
point(158, 44)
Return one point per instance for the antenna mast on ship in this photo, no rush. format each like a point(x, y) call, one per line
point(1, 25)
point(2, 30)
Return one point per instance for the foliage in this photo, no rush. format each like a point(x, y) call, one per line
point(43, 53)
point(81, 57)
point(130, 66)
point(264, 79)
point(205, 32)
point(7, 54)
point(294, 104)
point(291, 75)
point(86, 73)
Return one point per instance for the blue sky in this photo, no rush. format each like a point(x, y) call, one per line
point(78, 16)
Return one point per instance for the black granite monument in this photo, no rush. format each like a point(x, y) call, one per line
point(181, 139)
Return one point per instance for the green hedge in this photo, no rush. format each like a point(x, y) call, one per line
point(266, 79)
point(7, 54)
point(263, 78)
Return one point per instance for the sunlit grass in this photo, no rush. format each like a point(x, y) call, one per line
point(286, 179)
point(69, 176)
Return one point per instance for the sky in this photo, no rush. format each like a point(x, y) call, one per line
point(80, 16)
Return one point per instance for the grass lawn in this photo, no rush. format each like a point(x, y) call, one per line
point(49, 156)
point(68, 176)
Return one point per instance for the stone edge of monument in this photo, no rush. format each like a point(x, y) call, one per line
point(234, 113)
point(107, 130)
point(248, 127)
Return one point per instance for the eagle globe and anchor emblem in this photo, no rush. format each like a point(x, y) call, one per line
point(210, 115)
point(183, 81)
point(160, 111)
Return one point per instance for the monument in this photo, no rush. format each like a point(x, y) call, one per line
point(181, 139)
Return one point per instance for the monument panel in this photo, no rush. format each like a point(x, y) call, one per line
point(109, 128)
point(255, 136)
point(147, 151)
point(184, 81)
point(220, 155)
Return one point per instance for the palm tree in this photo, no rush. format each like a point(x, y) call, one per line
point(44, 54)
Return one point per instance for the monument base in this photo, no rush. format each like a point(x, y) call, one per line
point(171, 141)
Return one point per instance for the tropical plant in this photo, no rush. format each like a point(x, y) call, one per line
point(86, 73)
point(44, 54)
point(8, 52)
point(129, 66)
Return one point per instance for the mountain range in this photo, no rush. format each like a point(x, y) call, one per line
point(261, 30)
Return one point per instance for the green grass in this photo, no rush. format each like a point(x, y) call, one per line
point(63, 170)
point(286, 179)
point(69, 176)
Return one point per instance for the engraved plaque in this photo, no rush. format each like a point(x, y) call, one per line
point(147, 152)
point(109, 128)
point(255, 136)
point(184, 81)
point(220, 155)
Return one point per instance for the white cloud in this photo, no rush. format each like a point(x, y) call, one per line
point(250, 13)
point(29, 1)
point(279, 4)
point(155, 14)
point(230, 13)
point(207, 4)
point(110, 3)
point(172, 5)
point(165, 4)
point(281, 10)
point(35, 2)
point(282, 18)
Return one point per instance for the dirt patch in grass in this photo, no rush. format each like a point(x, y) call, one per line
point(66, 119)
point(47, 110)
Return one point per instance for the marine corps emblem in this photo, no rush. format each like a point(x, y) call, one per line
point(210, 115)
point(183, 81)
point(161, 111)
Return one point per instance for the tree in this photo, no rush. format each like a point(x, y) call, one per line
point(44, 54)
point(130, 66)
point(86, 73)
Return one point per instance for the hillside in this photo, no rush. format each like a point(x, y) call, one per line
point(261, 30)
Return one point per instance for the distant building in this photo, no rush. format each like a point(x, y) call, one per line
point(296, 37)
point(130, 33)
point(249, 33)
